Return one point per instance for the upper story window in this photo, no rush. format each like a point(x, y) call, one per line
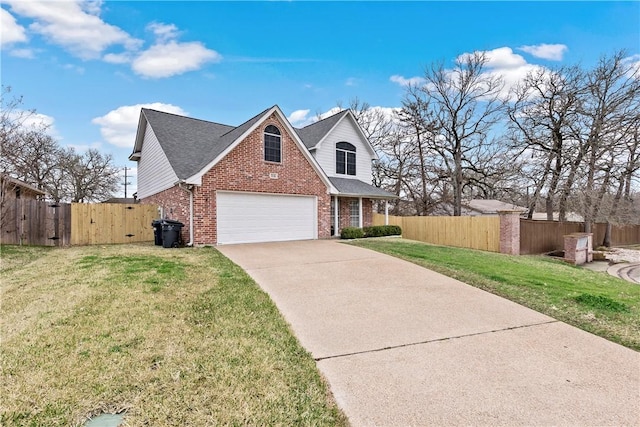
point(345, 158)
point(272, 144)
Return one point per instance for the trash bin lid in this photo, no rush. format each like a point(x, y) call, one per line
point(171, 221)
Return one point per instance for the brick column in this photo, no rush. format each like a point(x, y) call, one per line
point(509, 232)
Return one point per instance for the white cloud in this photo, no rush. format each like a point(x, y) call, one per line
point(552, 52)
point(74, 25)
point(22, 53)
point(173, 58)
point(36, 121)
point(119, 126)
point(301, 118)
point(163, 32)
point(510, 66)
point(329, 113)
point(10, 31)
point(411, 81)
point(117, 58)
point(502, 58)
point(298, 117)
point(33, 120)
point(351, 81)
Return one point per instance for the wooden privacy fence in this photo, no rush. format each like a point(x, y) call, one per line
point(537, 237)
point(104, 223)
point(474, 232)
point(35, 222)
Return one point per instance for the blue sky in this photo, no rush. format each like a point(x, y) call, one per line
point(88, 66)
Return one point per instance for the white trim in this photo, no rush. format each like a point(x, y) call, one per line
point(336, 216)
point(386, 212)
point(137, 146)
point(197, 178)
point(360, 212)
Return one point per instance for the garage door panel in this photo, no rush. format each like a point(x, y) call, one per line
point(250, 217)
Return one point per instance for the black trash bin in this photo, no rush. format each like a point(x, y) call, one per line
point(157, 231)
point(171, 233)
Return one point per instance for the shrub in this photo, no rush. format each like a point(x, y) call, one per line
point(382, 230)
point(351, 233)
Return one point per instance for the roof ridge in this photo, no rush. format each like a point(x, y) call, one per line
point(326, 118)
point(188, 117)
point(246, 121)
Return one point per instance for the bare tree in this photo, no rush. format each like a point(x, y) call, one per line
point(87, 177)
point(462, 105)
point(30, 154)
point(609, 115)
point(542, 116)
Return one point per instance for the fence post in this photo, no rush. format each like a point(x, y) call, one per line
point(509, 232)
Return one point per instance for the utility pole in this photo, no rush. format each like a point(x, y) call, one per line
point(125, 181)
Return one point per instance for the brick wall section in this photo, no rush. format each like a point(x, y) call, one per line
point(175, 205)
point(367, 212)
point(510, 232)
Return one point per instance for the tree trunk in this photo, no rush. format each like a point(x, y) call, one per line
point(607, 236)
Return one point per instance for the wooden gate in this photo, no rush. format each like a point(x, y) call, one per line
point(35, 222)
point(106, 223)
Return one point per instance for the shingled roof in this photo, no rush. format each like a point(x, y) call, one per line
point(313, 133)
point(354, 187)
point(190, 144)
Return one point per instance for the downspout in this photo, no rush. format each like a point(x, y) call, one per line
point(189, 189)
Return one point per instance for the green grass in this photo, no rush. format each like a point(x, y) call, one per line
point(596, 302)
point(169, 337)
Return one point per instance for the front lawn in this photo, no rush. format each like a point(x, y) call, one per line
point(170, 337)
point(596, 302)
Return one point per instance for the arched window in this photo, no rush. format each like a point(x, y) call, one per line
point(272, 144)
point(345, 158)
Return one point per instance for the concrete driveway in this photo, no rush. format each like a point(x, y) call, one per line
point(402, 345)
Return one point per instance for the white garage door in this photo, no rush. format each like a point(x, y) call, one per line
point(251, 217)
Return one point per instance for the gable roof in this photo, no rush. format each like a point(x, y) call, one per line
point(312, 134)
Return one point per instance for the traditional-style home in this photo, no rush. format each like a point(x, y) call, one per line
point(261, 181)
